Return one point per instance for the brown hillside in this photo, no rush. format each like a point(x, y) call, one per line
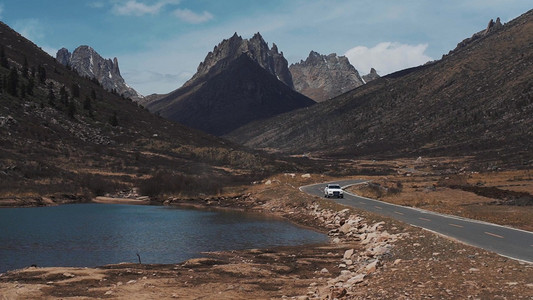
point(478, 100)
point(64, 138)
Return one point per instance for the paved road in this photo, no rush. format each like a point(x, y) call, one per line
point(513, 243)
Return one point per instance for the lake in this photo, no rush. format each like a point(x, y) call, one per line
point(88, 235)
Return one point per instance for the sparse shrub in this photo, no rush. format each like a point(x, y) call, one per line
point(165, 182)
point(98, 185)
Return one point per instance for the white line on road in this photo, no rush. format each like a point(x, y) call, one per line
point(424, 219)
point(455, 225)
point(378, 207)
point(397, 212)
point(493, 234)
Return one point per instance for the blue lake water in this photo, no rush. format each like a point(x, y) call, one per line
point(97, 234)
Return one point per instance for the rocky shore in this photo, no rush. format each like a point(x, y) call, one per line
point(367, 257)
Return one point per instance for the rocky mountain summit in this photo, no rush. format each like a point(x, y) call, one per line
point(373, 75)
point(322, 77)
point(493, 26)
point(240, 81)
point(87, 62)
point(256, 48)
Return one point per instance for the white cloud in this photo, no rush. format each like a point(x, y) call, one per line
point(96, 4)
point(34, 30)
point(387, 57)
point(50, 50)
point(149, 82)
point(31, 29)
point(134, 8)
point(189, 16)
point(137, 8)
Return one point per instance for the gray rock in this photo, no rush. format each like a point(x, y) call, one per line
point(322, 77)
point(348, 253)
point(373, 75)
point(256, 48)
point(87, 62)
point(491, 27)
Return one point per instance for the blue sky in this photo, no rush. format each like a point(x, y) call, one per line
point(159, 43)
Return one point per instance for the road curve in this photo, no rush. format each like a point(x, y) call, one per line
point(513, 243)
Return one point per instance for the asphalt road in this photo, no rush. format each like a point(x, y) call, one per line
point(513, 243)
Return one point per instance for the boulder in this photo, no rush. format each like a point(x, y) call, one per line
point(356, 279)
point(348, 253)
point(372, 267)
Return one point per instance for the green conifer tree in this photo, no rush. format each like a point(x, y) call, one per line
point(42, 74)
point(75, 90)
point(51, 96)
point(71, 108)
point(30, 86)
point(12, 82)
point(114, 119)
point(3, 58)
point(25, 68)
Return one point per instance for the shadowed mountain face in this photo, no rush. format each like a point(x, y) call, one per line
point(230, 97)
point(476, 100)
point(238, 82)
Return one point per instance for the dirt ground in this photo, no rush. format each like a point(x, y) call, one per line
point(501, 197)
point(420, 265)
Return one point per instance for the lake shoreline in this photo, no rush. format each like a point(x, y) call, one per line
point(367, 256)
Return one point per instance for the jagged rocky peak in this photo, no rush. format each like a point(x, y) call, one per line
point(256, 48)
point(373, 75)
point(63, 56)
point(87, 62)
point(492, 27)
point(322, 77)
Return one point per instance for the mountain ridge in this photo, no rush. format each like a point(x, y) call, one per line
point(220, 98)
point(256, 48)
point(65, 138)
point(240, 93)
point(475, 101)
point(322, 77)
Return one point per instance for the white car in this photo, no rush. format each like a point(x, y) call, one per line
point(333, 190)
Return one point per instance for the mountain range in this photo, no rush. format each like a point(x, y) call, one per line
point(238, 82)
point(63, 136)
point(475, 101)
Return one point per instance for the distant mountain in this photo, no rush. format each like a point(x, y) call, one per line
point(322, 77)
point(235, 95)
point(373, 75)
point(239, 82)
point(476, 101)
point(64, 137)
point(87, 62)
point(256, 48)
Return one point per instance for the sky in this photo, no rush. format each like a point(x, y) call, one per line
point(160, 43)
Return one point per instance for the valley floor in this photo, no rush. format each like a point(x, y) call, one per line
point(368, 256)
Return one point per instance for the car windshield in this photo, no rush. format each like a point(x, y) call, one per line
point(334, 186)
